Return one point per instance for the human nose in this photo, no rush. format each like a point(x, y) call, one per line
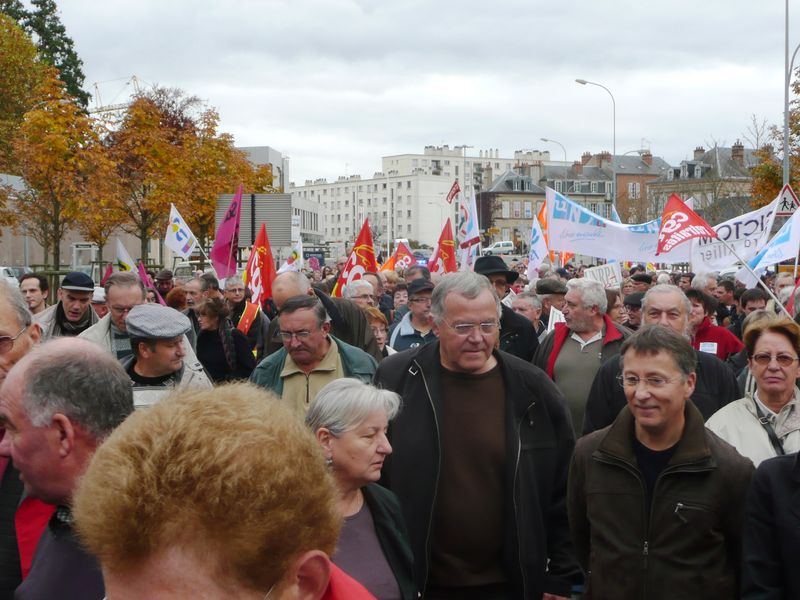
point(384, 447)
point(5, 444)
point(180, 350)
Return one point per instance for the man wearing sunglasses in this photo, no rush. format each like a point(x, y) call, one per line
point(481, 449)
point(310, 357)
point(656, 491)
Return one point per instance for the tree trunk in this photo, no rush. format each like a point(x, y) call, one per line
point(143, 240)
point(57, 252)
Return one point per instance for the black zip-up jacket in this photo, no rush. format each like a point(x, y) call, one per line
point(687, 543)
point(539, 444)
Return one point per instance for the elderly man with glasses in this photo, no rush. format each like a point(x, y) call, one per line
point(416, 327)
point(481, 425)
point(311, 357)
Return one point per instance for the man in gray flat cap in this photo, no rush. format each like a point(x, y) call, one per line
point(158, 340)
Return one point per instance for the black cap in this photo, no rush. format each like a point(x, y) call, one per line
point(78, 282)
point(642, 278)
point(419, 285)
point(490, 265)
point(634, 299)
point(551, 286)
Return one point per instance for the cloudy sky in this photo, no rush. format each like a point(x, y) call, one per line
point(336, 84)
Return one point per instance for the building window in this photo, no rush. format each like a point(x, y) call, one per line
point(528, 210)
point(408, 215)
point(409, 228)
point(634, 190)
point(414, 162)
point(670, 175)
point(684, 171)
point(506, 210)
point(346, 203)
point(698, 172)
point(558, 186)
point(517, 209)
point(594, 187)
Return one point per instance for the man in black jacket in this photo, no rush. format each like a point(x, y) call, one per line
point(481, 425)
point(517, 335)
point(716, 386)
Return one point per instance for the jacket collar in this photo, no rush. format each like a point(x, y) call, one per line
point(691, 448)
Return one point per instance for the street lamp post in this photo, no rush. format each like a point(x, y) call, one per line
point(788, 81)
point(614, 133)
point(566, 161)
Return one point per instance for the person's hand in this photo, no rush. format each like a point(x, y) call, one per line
point(547, 596)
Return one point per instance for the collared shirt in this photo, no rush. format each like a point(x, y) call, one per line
point(597, 336)
point(302, 388)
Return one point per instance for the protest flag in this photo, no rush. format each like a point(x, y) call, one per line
point(124, 260)
point(107, 274)
point(402, 258)
point(679, 224)
point(443, 259)
point(454, 189)
point(258, 277)
point(361, 260)
point(542, 218)
point(226, 242)
point(467, 229)
point(538, 249)
point(148, 283)
point(179, 237)
point(293, 262)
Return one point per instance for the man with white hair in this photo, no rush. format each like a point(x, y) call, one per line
point(361, 292)
point(705, 282)
point(573, 352)
point(667, 306)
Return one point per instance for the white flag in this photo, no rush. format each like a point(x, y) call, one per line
point(179, 237)
point(782, 246)
point(124, 260)
point(293, 262)
point(538, 251)
point(467, 231)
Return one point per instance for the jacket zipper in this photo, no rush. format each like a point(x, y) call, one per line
point(667, 471)
point(514, 500)
point(438, 472)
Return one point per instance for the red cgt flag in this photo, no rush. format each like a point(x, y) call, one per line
point(402, 258)
point(453, 191)
point(361, 260)
point(258, 277)
point(679, 223)
point(443, 259)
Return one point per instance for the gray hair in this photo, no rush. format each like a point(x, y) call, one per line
point(464, 283)
point(700, 280)
point(232, 280)
point(17, 302)
point(305, 302)
point(592, 293)
point(667, 288)
point(297, 279)
point(124, 279)
point(78, 379)
point(652, 339)
point(534, 299)
point(352, 289)
point(345, 403)
point(663, 278)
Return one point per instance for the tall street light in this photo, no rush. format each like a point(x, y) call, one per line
point(566, 161)
point(614, 133)
point(788, 66)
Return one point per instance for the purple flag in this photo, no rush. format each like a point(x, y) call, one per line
point(226, 243)
point(148, 283)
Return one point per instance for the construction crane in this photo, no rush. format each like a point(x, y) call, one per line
point(133, 80)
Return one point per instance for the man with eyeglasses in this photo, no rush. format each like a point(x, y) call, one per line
point(311, 357)
point(481, 451)
point(123, 291)
point(72, 314)
point(656, 491)
point(416, 327)
point(573, 352)
point(667, 306)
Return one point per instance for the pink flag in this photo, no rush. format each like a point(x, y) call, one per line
point(226, 243)
point(148, 283)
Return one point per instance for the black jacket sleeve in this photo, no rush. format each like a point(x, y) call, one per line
point(606, 398)
point(245, 361)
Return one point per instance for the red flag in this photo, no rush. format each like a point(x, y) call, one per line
point(360, 261)
point(679, 223)
point(226, 242)
point(453, 191)
point(401, 258)
point(542, 216)
point(249, 315)
point(443, 258)
point(107, 274)
point(260, 270)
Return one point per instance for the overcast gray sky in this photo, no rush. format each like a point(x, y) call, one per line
point(335, 84)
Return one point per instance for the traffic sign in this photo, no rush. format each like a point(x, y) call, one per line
point(788, 202)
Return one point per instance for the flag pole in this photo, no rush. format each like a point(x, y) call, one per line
point(758, 279)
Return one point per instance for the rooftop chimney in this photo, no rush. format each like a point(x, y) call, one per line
point(577, 166)
point(647, 159)
point(586, 157)
point(698, 152)
point(737, 153)
point(604, 156)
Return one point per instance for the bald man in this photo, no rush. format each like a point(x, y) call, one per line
point(348, 322)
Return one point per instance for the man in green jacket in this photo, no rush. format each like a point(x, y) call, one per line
point(310, 357)
point(656, 500)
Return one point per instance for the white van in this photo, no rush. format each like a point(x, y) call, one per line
point(499, 248)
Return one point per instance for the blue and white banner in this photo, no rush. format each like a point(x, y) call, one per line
point(783, 246)
point(538, 252)
point(573, 228)
point(747, 234)
point(179, 237)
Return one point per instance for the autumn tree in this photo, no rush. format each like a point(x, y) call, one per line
point(57, 48)
point(21, 74)
point(50, 152)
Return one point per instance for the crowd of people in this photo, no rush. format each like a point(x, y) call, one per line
point(475, 435)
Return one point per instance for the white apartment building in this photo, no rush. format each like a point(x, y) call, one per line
point(405, 200)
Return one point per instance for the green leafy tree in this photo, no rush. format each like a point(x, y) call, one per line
point(15, 10)
point(57, 48)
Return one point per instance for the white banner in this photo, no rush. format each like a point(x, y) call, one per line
point(179, 237)
point(782, 246)
point(573, 228)
point(747, 234)
point(609, 275)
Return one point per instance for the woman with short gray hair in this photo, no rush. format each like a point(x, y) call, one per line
point(351, 420)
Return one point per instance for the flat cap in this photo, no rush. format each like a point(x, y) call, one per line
point(634, 299)
point(419, 285)
point(642, 278)
point(156, 322)
point(164, 275)
point(550, 286)
point(77, 282)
